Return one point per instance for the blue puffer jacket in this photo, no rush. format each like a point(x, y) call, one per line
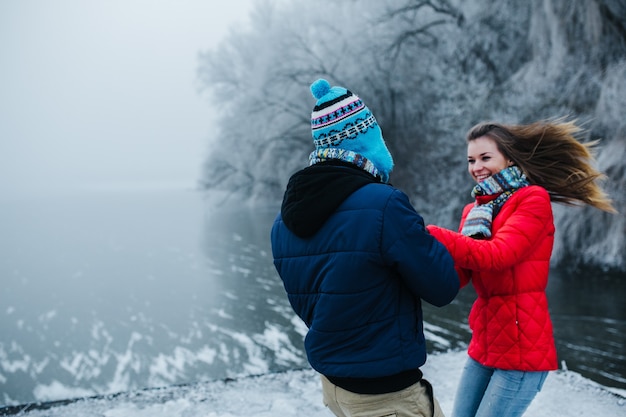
point(355, 260)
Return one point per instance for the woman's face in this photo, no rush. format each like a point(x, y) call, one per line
point(484, 159)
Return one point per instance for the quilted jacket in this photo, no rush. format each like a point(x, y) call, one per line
point(510, 322)
point(356, 261)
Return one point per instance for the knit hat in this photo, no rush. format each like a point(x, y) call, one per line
point(344, 128)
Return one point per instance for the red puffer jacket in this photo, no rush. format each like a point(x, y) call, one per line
point(510, 322)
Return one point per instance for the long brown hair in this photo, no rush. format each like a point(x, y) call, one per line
point(550, 155)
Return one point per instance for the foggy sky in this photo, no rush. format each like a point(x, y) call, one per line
point(96, 93)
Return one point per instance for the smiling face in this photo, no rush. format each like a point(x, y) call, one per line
point(484, 158)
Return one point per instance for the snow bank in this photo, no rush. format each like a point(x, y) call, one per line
point(298, 393)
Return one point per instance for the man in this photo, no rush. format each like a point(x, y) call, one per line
point(356, 261)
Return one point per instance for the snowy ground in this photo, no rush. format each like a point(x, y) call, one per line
point(298, 393)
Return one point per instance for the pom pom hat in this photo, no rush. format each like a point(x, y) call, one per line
point(344, 128)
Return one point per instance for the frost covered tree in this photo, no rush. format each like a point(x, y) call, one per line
point(259, 80)
point(429, 70)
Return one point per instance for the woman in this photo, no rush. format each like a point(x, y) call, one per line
point(504, 247)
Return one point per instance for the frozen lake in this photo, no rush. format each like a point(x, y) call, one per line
point(119, 290)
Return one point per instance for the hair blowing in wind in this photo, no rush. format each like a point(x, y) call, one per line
point(551, 155)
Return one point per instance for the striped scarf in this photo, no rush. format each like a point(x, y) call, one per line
point(325, 154)
point(490, 195)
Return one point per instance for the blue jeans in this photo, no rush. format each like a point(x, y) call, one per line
point(490, 392)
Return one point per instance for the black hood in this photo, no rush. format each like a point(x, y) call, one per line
point(314, 193)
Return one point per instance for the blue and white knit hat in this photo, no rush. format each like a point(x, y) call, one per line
point(344, 128)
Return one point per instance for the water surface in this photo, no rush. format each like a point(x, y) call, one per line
point(113, 291)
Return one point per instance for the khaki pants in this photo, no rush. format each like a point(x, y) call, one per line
point(414, 401)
